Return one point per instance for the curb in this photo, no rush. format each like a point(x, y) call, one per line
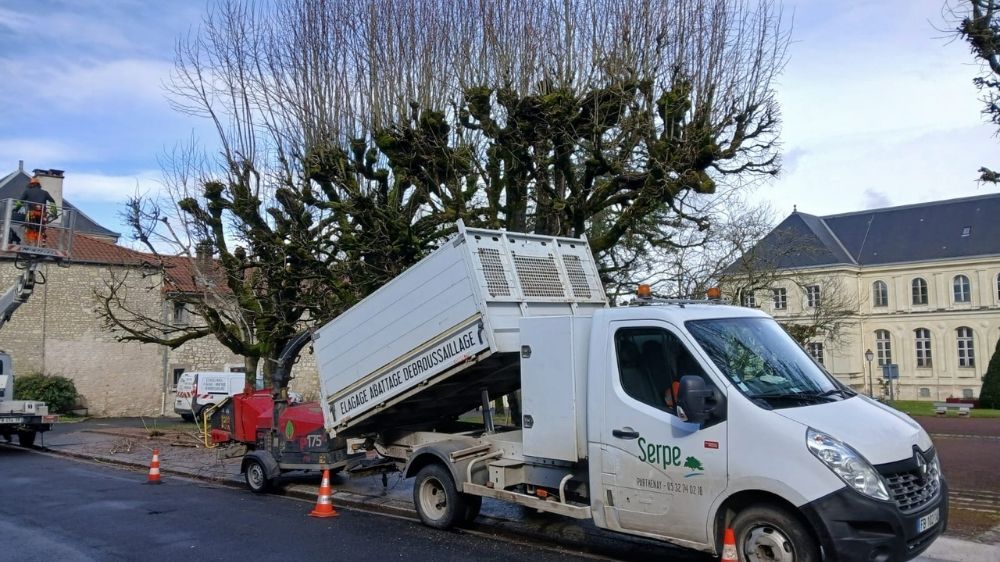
point(297, 491)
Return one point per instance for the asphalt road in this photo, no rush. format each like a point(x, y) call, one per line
point(58, 509)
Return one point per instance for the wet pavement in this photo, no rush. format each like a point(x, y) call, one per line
point(968, 450)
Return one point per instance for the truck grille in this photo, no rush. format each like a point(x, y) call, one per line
point(910, 490)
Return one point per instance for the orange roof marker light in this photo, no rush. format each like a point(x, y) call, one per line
point(644, 292)
point(714, 293)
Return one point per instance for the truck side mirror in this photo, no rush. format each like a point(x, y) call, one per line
point(694, 401)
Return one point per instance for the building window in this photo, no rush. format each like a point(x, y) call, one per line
point(748, 299)
point(816, 350)
point(880, 292)
point(883, 347)
point(962, 289)
point(967, 393)
point(178, 371)
point(966, 231)
point(812, 296)
point(180, 314)
point(923, 345)
point(781, 297)
point(998, 287)
point(919, 291)
point(925, 392)
point(966, 350)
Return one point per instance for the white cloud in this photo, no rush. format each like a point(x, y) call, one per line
point(39, 152)
point(94, 187)
point(875, 199)
point(74, 85)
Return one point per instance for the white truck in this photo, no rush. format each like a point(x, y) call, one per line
point(30, 234)
point(24, 418)
point(672, 420)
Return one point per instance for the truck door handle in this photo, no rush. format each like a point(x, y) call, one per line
point(625, 433)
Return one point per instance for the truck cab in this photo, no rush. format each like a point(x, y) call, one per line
point(704, 417)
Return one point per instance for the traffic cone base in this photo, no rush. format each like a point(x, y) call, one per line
point(154, 469)
point(324, 503)
point(729, 547)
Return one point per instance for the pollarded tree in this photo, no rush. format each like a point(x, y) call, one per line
point(353, 133)
point(979, 25)
point(989, 396)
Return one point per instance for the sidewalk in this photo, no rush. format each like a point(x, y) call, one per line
point(127, 443)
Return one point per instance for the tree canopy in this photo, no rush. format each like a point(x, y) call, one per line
point(979, 25)
point(352, 134)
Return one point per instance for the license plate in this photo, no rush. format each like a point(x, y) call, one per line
point(928, 521)
point(11, 420)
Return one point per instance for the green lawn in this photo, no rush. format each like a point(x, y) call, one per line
point(926, 408)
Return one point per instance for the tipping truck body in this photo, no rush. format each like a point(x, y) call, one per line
point(672, 420)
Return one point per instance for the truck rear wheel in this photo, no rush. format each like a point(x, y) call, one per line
point(439, 503)
point(766, 533)
point(26, 437)
point(256, 476)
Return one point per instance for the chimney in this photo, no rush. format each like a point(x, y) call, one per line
point(203, 258)
point(52, 181)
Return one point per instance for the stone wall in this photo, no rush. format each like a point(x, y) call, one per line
point(58, 332)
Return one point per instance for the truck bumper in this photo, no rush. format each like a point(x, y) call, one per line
point(852, 527)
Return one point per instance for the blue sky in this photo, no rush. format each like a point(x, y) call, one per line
point(877, 102)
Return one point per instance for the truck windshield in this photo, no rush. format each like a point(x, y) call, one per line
point(765, 363)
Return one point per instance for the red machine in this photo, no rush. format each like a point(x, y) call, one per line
point(296, 442)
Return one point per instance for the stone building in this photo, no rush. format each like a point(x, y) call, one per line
point(58, 330)
point(925, 283)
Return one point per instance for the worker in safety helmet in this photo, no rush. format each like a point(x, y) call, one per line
point(39, 206)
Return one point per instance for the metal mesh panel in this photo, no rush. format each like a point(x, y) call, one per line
point(577, 277)
point(496, 281)
point(539, 276)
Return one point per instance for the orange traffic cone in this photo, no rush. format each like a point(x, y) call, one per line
point(154, 469)
point(729, 547)
point(324, 505)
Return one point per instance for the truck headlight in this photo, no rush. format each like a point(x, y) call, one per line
point(934, 469)
point(847, 463)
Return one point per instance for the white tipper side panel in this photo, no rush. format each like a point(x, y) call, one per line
point(428, 299)
point(553, 386)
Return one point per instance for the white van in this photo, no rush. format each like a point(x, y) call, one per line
point(199, 390)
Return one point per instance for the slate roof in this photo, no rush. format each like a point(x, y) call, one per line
point(950, 229)
point(12, 186)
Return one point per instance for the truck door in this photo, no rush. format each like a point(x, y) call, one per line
point(661, 474)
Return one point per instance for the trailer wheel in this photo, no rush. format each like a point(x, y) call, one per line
point(26, 437)
point(769, 533)
point(438, 502)
point(256, 476)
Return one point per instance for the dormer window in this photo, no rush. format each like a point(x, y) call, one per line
point(966, 231)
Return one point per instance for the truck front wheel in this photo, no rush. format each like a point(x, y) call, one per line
point(439, 503)
point(26, 437)
point(768, 533)
point(256, 476)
